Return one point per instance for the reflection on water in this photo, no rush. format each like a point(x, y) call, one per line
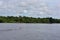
point(11, 29)
point(29, 31)
point(7, 30)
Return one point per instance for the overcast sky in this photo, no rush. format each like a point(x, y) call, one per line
point(34, 8)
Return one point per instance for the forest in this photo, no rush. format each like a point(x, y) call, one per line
point(24, 19)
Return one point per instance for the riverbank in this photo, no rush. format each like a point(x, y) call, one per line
point(24, 19)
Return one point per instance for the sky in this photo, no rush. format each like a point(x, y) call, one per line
point(31, 8)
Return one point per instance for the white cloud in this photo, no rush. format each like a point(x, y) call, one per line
point(25, 11)
point(41, 12)
point(1, 3)
point(23, 3)
point(30, 7)
point(20, 6)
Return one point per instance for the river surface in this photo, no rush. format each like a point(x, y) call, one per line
point(19, 31)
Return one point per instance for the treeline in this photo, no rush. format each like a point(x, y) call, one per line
point(24, 19)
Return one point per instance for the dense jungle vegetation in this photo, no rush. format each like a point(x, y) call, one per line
point(24, 19)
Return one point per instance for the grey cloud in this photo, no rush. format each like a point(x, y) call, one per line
point(32, 7)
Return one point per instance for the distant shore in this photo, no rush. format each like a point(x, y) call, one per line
point(24, 19)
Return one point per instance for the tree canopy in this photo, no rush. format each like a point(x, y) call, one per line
point(24, 19)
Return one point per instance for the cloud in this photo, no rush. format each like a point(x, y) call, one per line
point(34, 8)
point(19, 6)
point(1, 3)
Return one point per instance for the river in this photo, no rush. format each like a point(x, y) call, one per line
point(22, 31)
